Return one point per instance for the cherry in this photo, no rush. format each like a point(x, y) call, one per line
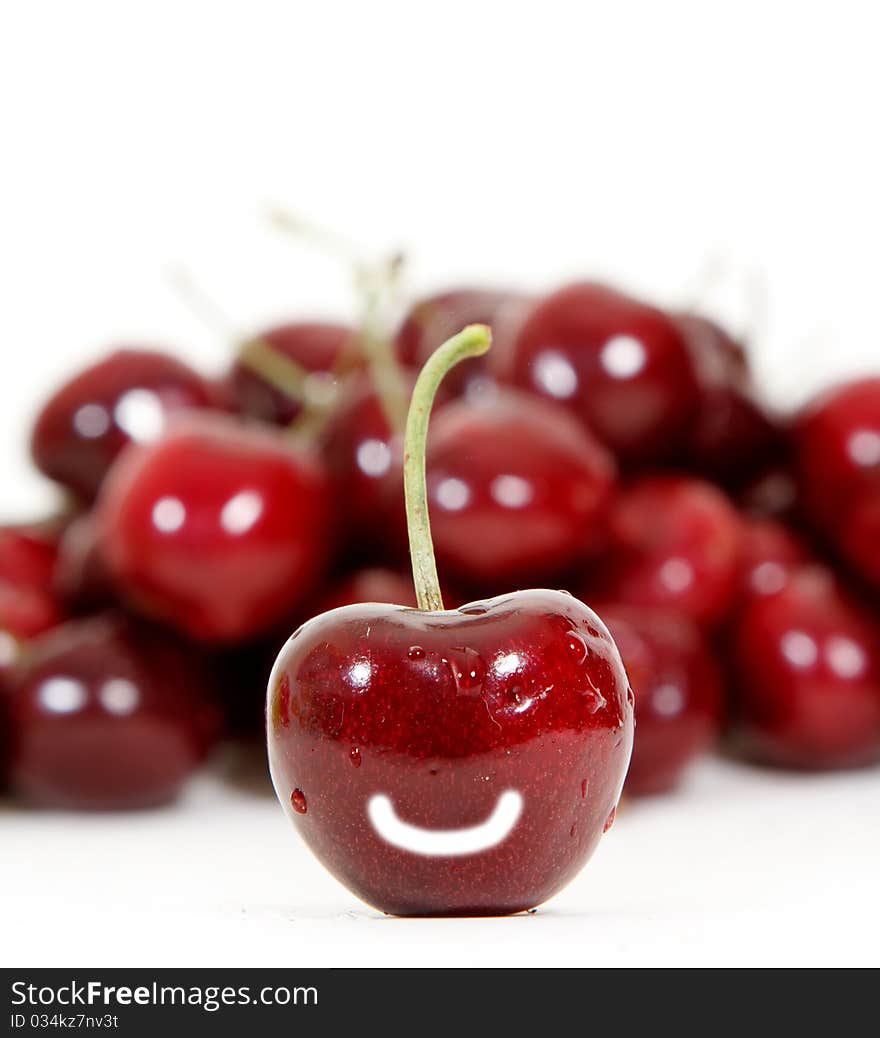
point(431, 321)
point(770, 553)
point(106, 715)
point(123, 398)
point(733, 435)
point(517, 490)
point(837, 447)
point(317, 349)
point(219, 529)
point(807, 667)
point(678, 692)
point(673, 543)
point(28, 555)
point(28, 606)
point(450, 762)
point(858, 537)
point(80, 577)
point(622, 366)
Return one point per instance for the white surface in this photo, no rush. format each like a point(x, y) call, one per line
point(743, 867)
point(633, 140)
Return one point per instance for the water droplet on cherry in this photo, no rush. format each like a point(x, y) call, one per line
point(468, 670)
point(585, 785)
point(298, 801)
point(354, 755)
point(416, 652)
point(609, 821)
point(474, 608)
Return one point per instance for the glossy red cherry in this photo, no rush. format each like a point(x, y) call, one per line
point(218, 529)
point(28, 606)
point(517, 489)
point(622, 366)
point(678, 692)
point(837, 448)
point(105, 715)
point(770, 553)
point(432, 320)
point(807, 667)
point(125, 397)
point(673, 543)
point(450, 762)
point(733, 435)
point(317, 348)
point(28, 555)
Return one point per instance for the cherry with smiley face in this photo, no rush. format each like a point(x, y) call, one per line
point(450, 762)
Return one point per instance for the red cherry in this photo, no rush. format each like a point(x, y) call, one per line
point(316, 347)
point(104, 715)
point(450, 762)
point(125, 397)
point(678, 693)
point(218, 529)
point(858, 536)
point(837, 444)
point(807, 667)
point(517, 489)
point(444, 714)
point(733, 435)
point(769, 554)
point(434, 319)
point(673, 543)
point(622, 366)
point(81, 579)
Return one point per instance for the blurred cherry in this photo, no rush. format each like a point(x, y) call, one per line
point(621, 365)
point(220, 529)
point(673, 543)
point(372, 584)
point(80, 577)
point(517, 490)
point(858, 535)
point(432, 320)
point(770, 553)
point(807, 667)
point(28, 555)
point(125, 397)
point(106, 715)
point(317, 348)
point(733, 436)
point(678, 693)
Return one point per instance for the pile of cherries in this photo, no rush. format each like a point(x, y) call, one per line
point(603, 446)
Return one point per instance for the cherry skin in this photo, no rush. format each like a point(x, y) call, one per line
point(678, 691)
point(28, 555)
point(807, 667)
point(770, 553)
point(517, 490)
point(673, 543)
point(432, 320)
point(858, 538)
point(837, 448)
point(219, 529)
point(318, 348)
point(106, 715)
point(123, 398)
point(623, 367)
point(444, 713)
point(733, 436)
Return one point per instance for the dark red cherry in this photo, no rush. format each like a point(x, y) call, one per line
point(773, 493)
point(517, 490)
point(837, 448)
point(432, 320)
point(318, 348)
point(622, 366)
point(457, 762)
point(125, 397)
point(807, 668)
point(106, 715)
point(673, 543)
point(678, 693)
point(858, 535)
point(734, 436)
point(770, 553)
point(219, 529)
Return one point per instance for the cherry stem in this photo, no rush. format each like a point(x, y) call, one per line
point(473, 341)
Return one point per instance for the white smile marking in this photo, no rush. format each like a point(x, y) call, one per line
point(446, 843)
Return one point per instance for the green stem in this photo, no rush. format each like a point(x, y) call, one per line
point(275, 368)
point(473, 341)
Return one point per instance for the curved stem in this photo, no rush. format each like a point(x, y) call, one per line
point(473, 341)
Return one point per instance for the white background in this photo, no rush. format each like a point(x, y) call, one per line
point(646, 142)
